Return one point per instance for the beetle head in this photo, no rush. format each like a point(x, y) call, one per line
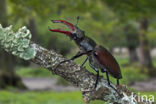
point(75, 33)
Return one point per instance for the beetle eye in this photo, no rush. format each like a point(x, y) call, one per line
point(75, 37)
point(95, 54)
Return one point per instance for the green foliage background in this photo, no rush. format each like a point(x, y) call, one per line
point(102, 20)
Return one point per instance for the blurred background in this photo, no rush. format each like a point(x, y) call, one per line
point(126, 28)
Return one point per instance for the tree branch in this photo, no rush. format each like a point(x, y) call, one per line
point(79, 76)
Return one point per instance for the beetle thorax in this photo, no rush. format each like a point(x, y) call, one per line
point(87, 44)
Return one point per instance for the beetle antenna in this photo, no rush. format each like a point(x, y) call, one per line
point(77, 18)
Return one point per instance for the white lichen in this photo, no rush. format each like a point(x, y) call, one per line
point(17, 43)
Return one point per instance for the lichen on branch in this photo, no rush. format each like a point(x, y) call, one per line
point(17, 43)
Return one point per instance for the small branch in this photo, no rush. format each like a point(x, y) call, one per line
point(79, 76)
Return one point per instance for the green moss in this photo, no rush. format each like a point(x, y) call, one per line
point(17, 43)
point(42, 97)
point(47, 97)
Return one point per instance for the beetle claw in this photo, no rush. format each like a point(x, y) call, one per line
point(71, 27)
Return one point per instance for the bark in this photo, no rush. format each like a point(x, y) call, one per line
point(78, 76)
point(132, 42)
point(145, 58)
point(32, 27)
point(3, 13)
point(133, 55)
point(7, 62)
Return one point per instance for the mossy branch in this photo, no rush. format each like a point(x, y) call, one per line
point(19, 44)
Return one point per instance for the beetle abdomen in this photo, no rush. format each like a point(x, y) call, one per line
point(107, 61)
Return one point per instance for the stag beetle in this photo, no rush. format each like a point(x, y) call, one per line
point(99, 57)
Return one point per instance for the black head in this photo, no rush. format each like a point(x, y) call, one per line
point(75, 33)
point(85, 43)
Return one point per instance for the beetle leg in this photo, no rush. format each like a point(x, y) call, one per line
point(84, 61)
point(72, 58)
point(111, 85)
point(117, 82)
point(97, 78)
point(77, 55)
point(107, 78)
